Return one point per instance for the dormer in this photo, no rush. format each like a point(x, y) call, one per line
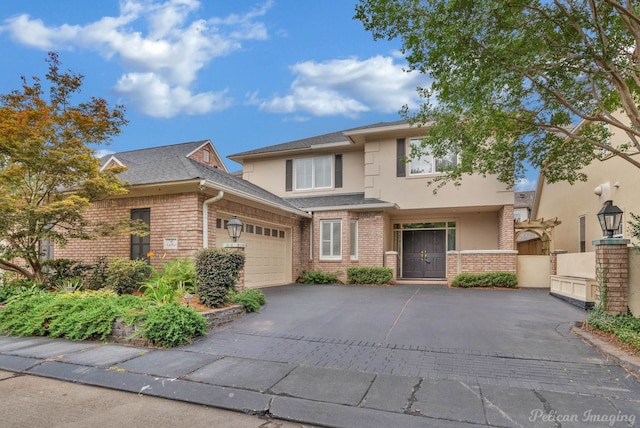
point(207, 155)
point(112, 162)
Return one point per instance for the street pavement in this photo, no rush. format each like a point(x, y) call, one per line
point(347, 356)
point(37, 402)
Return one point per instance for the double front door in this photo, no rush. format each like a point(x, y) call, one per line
point(424, 254)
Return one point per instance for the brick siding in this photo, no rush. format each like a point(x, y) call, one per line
point(480, 262)
point(370, 242)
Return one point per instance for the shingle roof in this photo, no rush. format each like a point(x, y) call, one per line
point(524, 199)
point(344, 199)
point(333, 137)
point(167, 164)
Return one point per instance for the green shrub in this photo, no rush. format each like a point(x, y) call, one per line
point(251, 299)
point(318, 277)
point(96, 278)
point(180, 273)
point(82, 317)
point(160, 291)
point(625, 327)
point(18, 287)
point(488, 279)
point(61, 270)
point(27, 314)
point(216, 273)
point(125, 276)
point(369, 275)
point(173, 325)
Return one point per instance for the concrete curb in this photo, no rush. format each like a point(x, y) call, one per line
point(629, 362)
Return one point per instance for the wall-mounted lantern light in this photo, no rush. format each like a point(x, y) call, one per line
point(234, 227)
point(609, 217)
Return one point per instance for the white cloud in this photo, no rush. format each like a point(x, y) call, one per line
point(525, 184)
point(347, 87)
point(159, 45)
point(159, 99)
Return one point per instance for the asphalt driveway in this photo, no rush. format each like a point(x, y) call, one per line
point(348, 356)
point(523, 322)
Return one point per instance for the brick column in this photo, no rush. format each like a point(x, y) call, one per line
point(612, 273)
point(554, 260)
point(506, 230)
point(240, 247)
point(391, 261)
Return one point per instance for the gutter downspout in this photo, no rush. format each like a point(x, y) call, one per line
point(205, 218)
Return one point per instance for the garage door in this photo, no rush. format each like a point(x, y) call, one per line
point(268, 252)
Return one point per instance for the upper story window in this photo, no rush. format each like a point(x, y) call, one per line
point(313, 173)
point(427, 163)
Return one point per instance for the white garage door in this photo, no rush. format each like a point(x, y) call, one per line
point(268, 252)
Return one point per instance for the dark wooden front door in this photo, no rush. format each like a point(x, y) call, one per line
point(424, 254)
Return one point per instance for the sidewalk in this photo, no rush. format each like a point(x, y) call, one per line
point(337, 397)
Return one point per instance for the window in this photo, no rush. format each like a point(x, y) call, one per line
point(313, 173)
point(330, 239)
point(249, 228)
point(582, 233)
point(426, 163)
point(141, 245)
point(205, 156)
point(354, 240)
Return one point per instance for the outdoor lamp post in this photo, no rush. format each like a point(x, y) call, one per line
point(609, 217)
point(234, 227)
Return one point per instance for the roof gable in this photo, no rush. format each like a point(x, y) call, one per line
point(208, 155)
point(167, 165)
point(112, 162)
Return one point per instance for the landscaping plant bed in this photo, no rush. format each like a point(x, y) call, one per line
point(127, 334)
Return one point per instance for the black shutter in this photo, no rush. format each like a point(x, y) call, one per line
point(338, 171)
point(288, 175)
point(401, 165)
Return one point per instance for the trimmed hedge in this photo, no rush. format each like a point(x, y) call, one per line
point(369, 275)
point(318, 277)
point(488, 279)
point(217, 272)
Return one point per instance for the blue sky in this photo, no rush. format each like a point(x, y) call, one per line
point(242, 73)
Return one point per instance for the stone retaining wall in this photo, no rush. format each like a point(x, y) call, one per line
point(132, 335)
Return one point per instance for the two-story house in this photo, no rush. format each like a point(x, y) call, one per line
point(328, 202)
point(367, 201)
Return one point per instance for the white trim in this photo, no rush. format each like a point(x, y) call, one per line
point(353, 256)
point(321, 243)
point(353, 207)
point(111, 159)
point(483, 252)
point(313, 173)
point(328, 145)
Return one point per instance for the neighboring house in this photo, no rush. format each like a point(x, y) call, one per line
point(367, 201)
point(576, 205)
point(522, 205)
point(330, 202)
point(527, 242)
point(185, 194)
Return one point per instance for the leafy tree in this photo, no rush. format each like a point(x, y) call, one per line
point(511, 78)
point(48, 173)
